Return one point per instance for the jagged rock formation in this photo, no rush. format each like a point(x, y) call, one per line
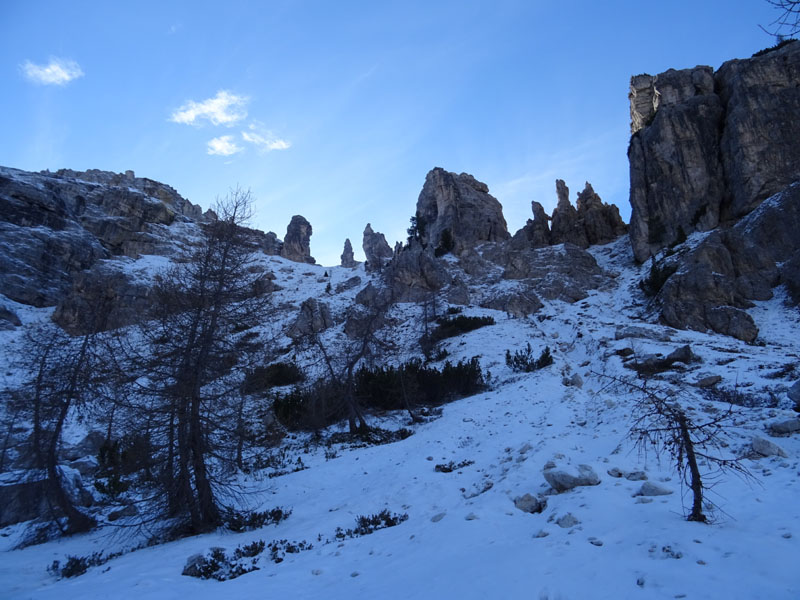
point(376, 249)
point(296, 244)
point(731, 268)
point(456, 212)
point(348, 259)
point(593, 222)
point(269, 242)
point(535, 233)
point(709, 147)
point(56, 224)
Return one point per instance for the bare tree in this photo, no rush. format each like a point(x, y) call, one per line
point(662, 424)
point(788, 23)
point(190, 368)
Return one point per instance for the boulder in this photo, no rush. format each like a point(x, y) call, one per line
point(563, 479)
point(456, 212)
point(376, 250)
point(763, 447)
point(296, 244)
point(348, 284)
point(348, 260)
point(652, 489)
point(785, 427)
point(568, 520)
point(794, 393)
point(530, 504)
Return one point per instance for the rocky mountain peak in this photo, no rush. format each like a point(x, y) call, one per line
point(456, 212)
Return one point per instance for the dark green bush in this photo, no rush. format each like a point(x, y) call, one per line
point(239, 521)
point(523, 361)
point(453, 326)
point(278, 374)
point(383, 388)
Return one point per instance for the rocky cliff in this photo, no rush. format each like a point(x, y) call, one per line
point(708, 147)
point(456, 212)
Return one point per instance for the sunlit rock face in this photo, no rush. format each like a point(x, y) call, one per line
point(456, 212)
point(708, 147)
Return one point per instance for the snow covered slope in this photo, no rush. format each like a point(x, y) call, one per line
point(464, 537)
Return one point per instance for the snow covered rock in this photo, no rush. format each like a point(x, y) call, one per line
point(652, 489)
point(530, 504)
point(562, 480)
point(786, 427)
point(764, 447)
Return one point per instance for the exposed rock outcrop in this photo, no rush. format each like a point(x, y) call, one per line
point(376, 249)
point(348, 259)
point(314, 317)
point(564, 272)
point(297, 243)
point(730, 268)
point(414, 273)
point(456, 212)
point(709, 147)
point(56, 224)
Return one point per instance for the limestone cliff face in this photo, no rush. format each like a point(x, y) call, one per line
point(56, 224)
point(456, 212)
point(708, 147)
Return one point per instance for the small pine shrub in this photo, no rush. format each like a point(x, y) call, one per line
point(247, 521)
point(453, 326)
point(274, 375)
point(523, 361)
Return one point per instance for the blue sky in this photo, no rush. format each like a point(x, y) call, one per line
point(337, 110)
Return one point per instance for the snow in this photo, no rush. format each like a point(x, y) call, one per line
point(484, 547)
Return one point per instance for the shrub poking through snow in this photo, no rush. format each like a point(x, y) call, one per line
point(279, 374)
point(453, 466)
point(453, 326)
point(247, 521)
point(523, 361)
point(367, 525)
point(78, 565)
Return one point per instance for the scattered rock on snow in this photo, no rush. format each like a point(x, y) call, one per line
point(764, 447)
point(652, 489)
point(437, 517)
point(786, 427)
point(636, 476)
point(794, 393)
point(530, 504)
point(707, 382)
point(568, 520)
point(562, 480)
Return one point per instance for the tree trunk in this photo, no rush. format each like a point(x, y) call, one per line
point(696, 483)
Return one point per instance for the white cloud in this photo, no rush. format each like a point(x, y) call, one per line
point(223, 146)
point(59, 71)
point(223, 109)
point(264, 139)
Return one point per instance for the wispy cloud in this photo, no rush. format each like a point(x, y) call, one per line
point(223, 146)
point(59, 71)
point(263, 138)
point(223, 109)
